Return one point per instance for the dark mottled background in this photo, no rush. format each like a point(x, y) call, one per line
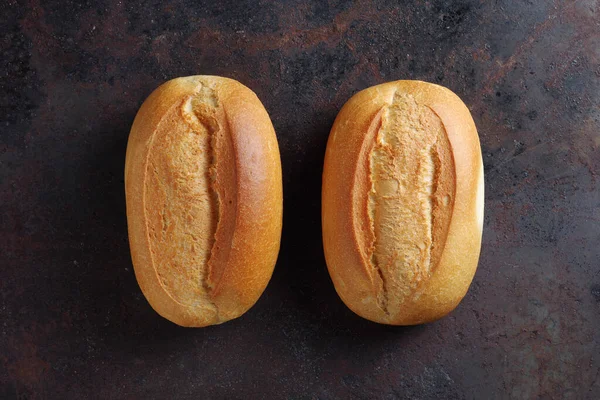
point(74, 323)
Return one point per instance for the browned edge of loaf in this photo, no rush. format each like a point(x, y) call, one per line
point(246, 183)
point(346, 226)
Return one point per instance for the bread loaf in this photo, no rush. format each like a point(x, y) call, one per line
point(403, 202)
point(204, 199)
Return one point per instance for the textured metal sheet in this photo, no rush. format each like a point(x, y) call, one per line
point(74, 324)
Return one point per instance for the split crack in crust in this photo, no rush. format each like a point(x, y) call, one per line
point(183, 199)
point(408, 199)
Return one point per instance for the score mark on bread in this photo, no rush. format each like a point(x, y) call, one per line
point(182, 202)
point(409, 174)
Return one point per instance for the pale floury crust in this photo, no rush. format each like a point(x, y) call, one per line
point(403, 202)
point(204, 199)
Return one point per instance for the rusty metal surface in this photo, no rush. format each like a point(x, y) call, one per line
point(74, 323)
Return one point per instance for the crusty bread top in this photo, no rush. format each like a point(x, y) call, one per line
point(203, 186)
point(402, 202)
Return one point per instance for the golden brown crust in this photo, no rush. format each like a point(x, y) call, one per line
point(410, 258)
point(204, 199)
